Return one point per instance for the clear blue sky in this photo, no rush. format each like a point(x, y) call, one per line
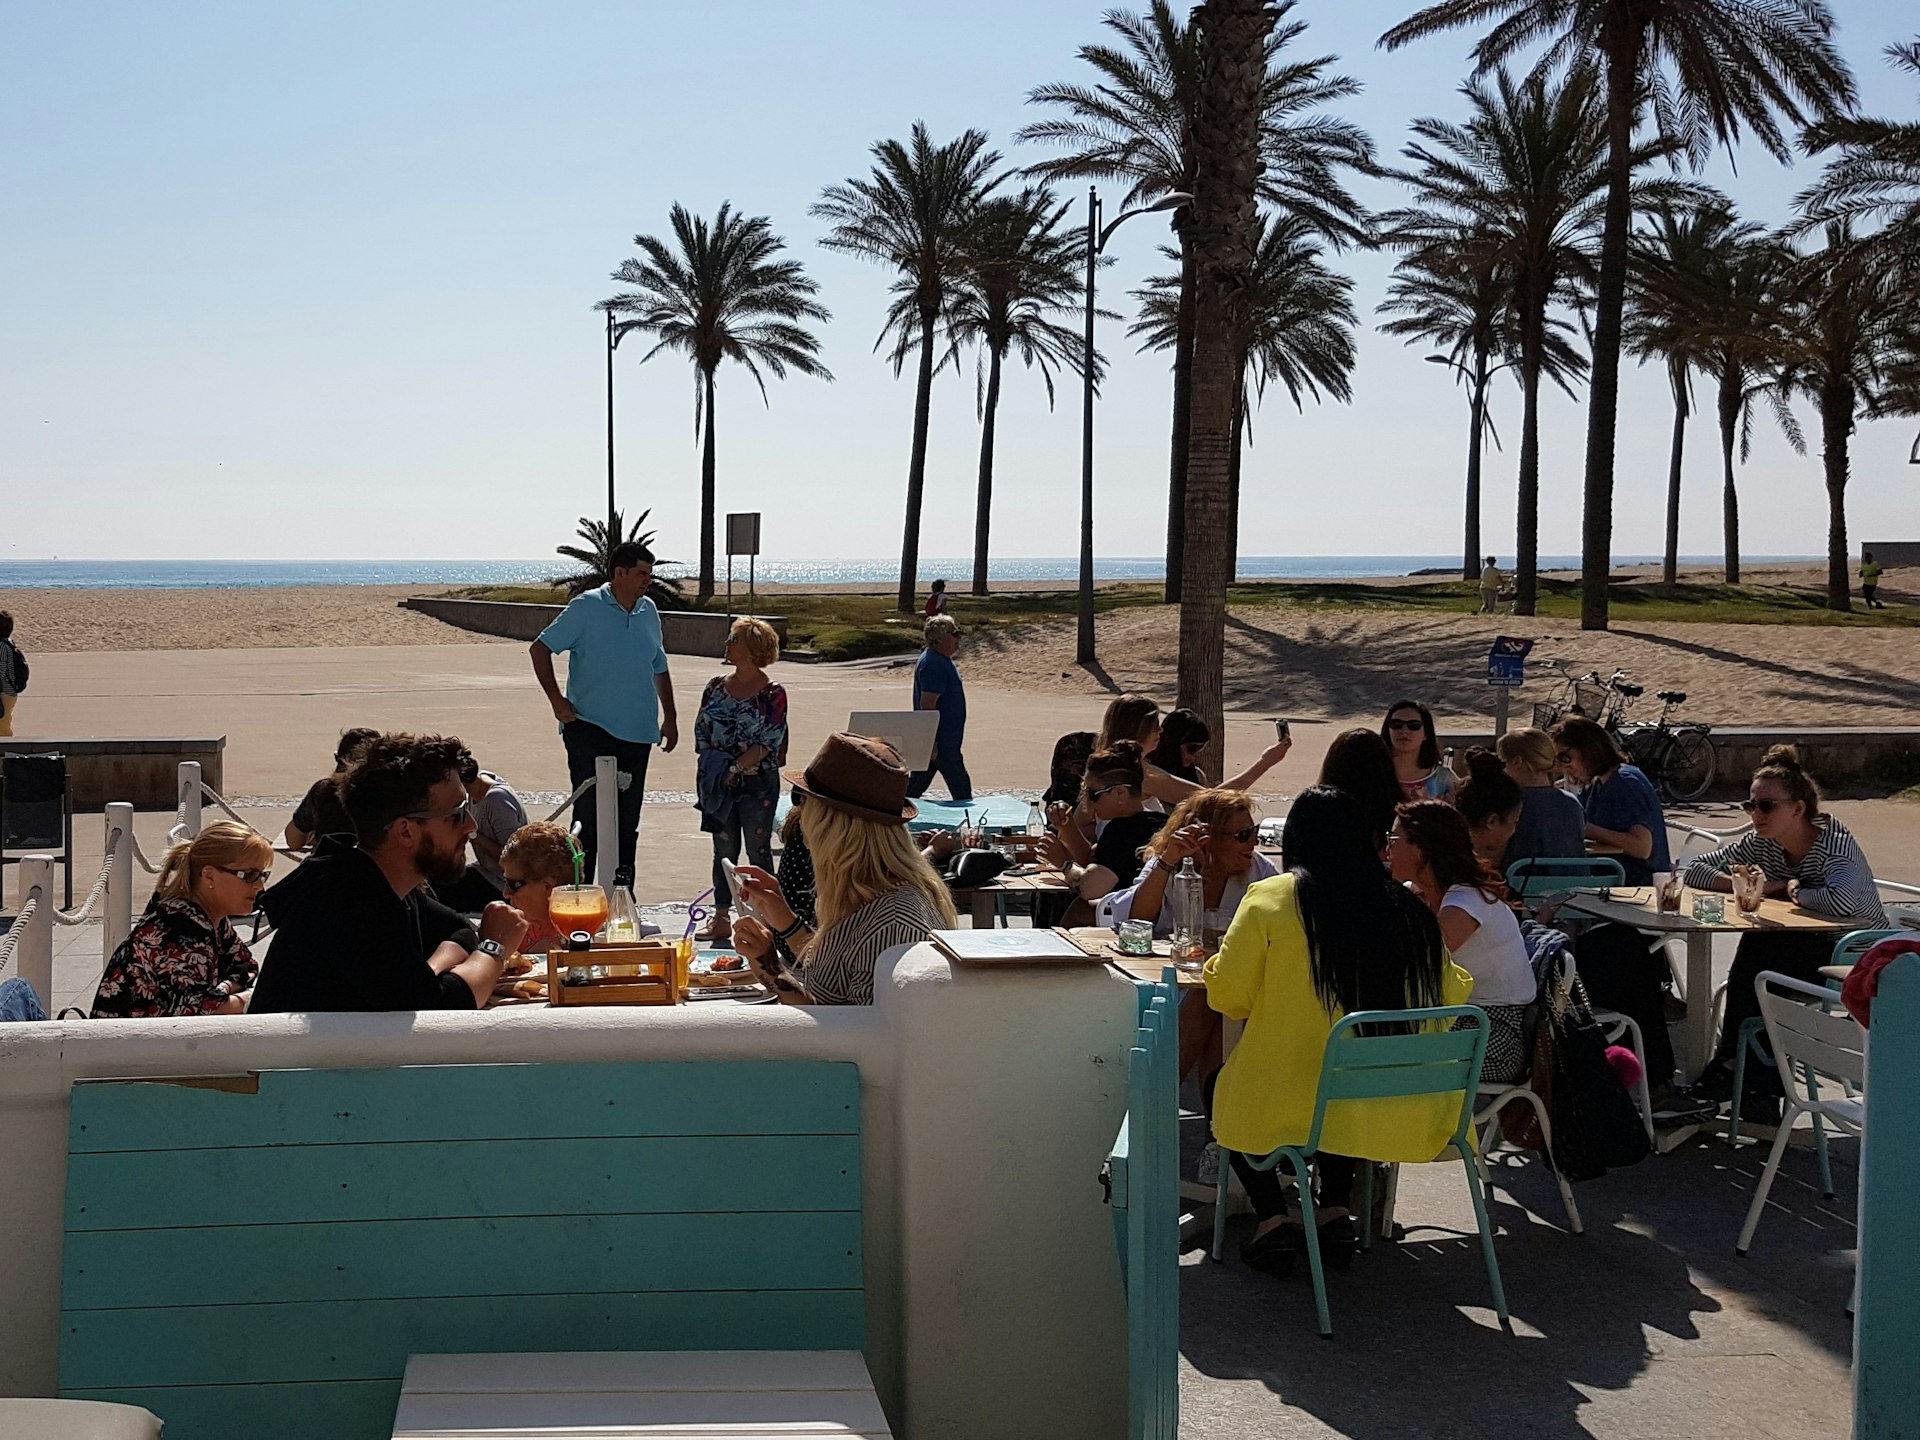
point(303, 281)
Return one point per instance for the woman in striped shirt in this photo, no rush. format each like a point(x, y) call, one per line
point(1810, 859)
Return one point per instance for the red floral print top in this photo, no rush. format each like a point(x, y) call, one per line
point(175, 962)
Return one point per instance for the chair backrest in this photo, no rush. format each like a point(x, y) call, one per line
point(1540, 874)
point(1433, 1059)
point(33, 801)
point(1806, 1033)
point(1855, 943)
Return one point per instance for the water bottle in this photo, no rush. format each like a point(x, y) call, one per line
point(1187, 895)
point(623, 918)
point(1036, 820)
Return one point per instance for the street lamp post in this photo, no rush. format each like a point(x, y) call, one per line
point(612, 341)
point(1097, 242)
point(1477, 378)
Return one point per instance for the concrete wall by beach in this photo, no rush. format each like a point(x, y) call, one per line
point(142, 770)
point(989, 1098)
point(685, 632)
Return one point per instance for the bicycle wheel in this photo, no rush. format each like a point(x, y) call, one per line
point(1687, 768)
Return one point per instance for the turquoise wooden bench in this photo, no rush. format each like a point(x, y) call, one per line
point(259, 1255)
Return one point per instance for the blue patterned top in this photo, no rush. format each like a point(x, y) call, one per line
point(734, 726)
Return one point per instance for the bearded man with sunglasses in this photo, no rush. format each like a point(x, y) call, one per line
point(354, 927)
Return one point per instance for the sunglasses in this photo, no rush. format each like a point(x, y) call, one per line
point(458, 814)
point(510, 886)
point(1406, 724)
point(1564, 757)
point(247, 877)
point(1764, 807)
point(1094, 793)
point(1239, 837)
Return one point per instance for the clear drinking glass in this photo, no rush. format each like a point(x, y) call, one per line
point(1136, 937)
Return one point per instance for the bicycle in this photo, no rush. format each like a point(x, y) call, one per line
point(1579, 695)
point(1679, 759)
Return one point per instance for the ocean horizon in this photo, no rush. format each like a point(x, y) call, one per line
point(55, 574)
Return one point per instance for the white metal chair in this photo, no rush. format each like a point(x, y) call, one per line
point(1492, 1099)
point(1808, 1041)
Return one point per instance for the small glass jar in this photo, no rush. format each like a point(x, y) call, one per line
point(1136, 937)
point(1710, 908)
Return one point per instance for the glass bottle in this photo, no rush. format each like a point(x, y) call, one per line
point(623, 918)
point(1187, 895)
point(1036, 820)
point(579, 944)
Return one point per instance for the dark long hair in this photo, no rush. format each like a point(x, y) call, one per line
point(1359, 763)
point(1177, 728)
point(1069, 767)
point(1373, 945)
point(1441, 835)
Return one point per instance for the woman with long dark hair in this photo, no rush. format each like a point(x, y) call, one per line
point(1331, 936)
point(1359, 763)
point(1183, 735)
point(1433, 853)
point(1410, 736)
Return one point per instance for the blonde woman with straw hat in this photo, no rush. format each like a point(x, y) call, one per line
point(184, 956)
point(874, 888)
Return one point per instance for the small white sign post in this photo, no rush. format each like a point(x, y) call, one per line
point(743, 538)
point(1506, 668)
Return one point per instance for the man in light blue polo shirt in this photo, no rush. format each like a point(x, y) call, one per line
point(619, 697)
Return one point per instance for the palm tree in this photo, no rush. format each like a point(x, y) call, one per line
point(1522, 182)
point(1850, 324)
point(1297, 331)
point(1022, 271)
point(1705, 69)
point(1233, 39)
point(1135, 125)
point(1876, 175)
point(719, 293)
point(915, 211)
point(1454, 296)
point(593, 552)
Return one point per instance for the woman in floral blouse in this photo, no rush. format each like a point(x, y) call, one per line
point(184, 957)
point(741, 738)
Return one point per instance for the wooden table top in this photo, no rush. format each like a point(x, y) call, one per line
point(1098, 940)
point(1037, 882)
point(1634, 905)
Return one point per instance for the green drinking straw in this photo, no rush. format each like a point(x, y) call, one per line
point(579, 859)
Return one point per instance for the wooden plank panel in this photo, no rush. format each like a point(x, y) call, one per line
point(240, 1344)
point(271, 1185)
point(718, 1412)
point(356, 1411)
point(473, 1102)
point(637, 1369)
point(402, 1259)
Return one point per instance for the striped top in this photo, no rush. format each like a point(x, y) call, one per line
point(1834, 876)
point(839, 971)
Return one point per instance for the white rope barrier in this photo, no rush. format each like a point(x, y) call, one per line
point(140, 858)
point(82, 912)
point(10, 941)
point(566, 804)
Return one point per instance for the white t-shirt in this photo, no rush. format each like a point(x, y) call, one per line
point(1494, 955)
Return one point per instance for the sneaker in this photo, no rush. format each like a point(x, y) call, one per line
point(1209, 1171)
point(1683, 1107)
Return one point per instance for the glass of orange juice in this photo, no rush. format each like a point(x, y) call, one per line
point(578, 907)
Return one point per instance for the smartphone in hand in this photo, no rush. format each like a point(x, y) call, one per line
point(1283, 730)
point(741, 903)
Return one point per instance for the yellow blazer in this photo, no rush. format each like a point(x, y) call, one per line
point(1265, 1095)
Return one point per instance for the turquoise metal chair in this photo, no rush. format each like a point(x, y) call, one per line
point(1540, 875)
point(1849, 949)
point(1358, 1067)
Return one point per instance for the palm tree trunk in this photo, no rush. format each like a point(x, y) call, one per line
point(1233, 476)
point(1610, 298)
point(917, 468)
point(1670, 566)
point(1526, 540)
point(1225, 227)
point(983, 503)
point(1477, 414)
point(1732, 383)
point(707, 498)
point(1182, 422)
point(1836, 424)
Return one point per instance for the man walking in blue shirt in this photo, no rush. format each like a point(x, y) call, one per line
point(619, 697)
point(936, 686)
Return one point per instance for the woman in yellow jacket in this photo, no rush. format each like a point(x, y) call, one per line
point(1332, 934)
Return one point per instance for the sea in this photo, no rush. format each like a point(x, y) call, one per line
point(59, 574)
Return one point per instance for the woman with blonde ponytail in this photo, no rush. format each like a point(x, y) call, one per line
point(184, 956)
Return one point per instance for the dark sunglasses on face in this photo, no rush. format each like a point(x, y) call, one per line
point(247, 877)
point(1406, 725)
point(1764, 807)
point(1095, 792)
point(1239, 837)
point(510, 886)
point(1565, 757)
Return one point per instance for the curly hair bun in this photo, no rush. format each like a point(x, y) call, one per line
point(1482, 763)
point(1787, 757)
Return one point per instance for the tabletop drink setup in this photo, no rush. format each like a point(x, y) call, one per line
point(1187, 899)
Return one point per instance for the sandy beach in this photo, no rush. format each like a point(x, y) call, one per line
point(1303, 663)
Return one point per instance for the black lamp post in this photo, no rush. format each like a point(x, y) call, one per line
point(613, 341)
point(1476, 378)
point(1096, 242)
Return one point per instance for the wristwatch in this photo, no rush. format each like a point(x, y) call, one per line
point(491, 947)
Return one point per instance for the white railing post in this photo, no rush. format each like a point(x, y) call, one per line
point(117, 919)
point(606, 819)
point(190, 795)
point(33, 958)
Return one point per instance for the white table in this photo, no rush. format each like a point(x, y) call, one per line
point(655, 1394)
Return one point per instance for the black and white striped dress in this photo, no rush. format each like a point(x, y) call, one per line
point(1834, 876)
point(839, 968)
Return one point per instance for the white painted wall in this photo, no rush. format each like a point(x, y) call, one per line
point(994, 1306)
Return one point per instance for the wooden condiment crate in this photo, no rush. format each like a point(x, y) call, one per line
point(639, 973)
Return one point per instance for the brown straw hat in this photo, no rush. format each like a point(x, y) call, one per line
point(860, 776)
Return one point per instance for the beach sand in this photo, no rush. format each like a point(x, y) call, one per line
point(1302, 663)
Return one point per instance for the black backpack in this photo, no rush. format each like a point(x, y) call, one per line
point(19, 667)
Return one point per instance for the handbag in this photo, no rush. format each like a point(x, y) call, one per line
point(1595, 1125)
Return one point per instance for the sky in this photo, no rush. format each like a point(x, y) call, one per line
point(302, 281)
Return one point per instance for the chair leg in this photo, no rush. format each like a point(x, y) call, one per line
point(1393, 1196)
point(1819, 1135)
point(1486, 1242)
point(1220, 1205)
point(1766, 1180)
point(1559, 1176)
point(1311, 1220)
point(1637, 1042)
point(1366, 1207)
point(1739, 1089)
